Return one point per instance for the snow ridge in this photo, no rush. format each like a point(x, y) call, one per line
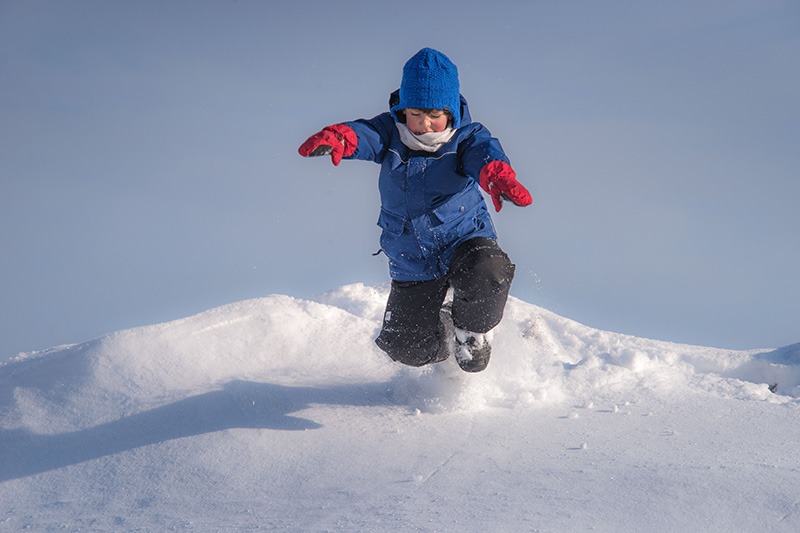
point(540, 357)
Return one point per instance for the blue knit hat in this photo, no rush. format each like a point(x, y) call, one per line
point(430, 81)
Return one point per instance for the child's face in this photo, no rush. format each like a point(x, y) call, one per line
point(421, 121)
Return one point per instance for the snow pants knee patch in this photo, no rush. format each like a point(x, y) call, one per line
point(481, 275)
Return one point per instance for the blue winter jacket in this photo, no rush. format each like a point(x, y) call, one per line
point(430, 202)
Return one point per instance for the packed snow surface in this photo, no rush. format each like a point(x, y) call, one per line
point(281, 414)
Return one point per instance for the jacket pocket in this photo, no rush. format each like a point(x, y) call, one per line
point(391, 222)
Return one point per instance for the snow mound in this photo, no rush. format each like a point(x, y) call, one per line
point(539, 357)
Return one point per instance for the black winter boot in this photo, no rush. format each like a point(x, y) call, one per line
point(472, 350)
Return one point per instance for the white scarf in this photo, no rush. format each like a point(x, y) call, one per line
point(429, 142)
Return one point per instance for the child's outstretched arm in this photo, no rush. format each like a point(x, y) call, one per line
point(338, 141)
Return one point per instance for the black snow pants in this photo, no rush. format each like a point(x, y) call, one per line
point(480, 275)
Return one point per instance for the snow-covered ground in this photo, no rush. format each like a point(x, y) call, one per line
point(281, 414)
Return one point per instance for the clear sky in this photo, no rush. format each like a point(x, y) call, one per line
point(149, 167)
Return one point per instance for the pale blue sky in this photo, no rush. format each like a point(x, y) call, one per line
point(148, 164)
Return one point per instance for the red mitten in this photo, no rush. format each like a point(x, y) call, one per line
point(338, 140)
point(499, 180)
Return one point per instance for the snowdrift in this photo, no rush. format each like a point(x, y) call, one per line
point(139, 422)
point(539, 357)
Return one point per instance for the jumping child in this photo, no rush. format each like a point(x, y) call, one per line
point(437, 231)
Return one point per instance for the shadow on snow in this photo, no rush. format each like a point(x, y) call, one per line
point(239, 404)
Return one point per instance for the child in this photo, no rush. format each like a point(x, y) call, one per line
point(437, 231)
